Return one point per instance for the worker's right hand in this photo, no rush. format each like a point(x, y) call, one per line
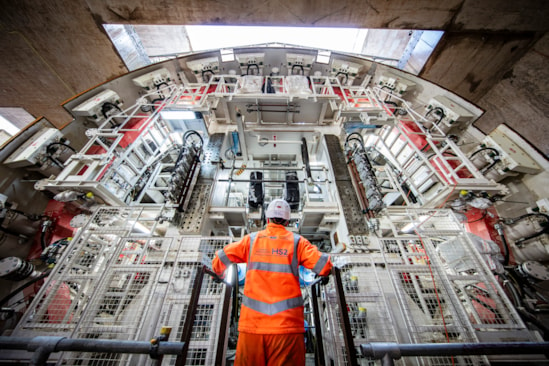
point(217, 279)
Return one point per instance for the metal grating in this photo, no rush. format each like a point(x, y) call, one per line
point(368, 308)
point(113, 284)
point(425, 285)
point(484, 301)
point(195, 213)
point(211, 156)
point(352, 211)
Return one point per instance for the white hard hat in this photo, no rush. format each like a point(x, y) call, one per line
point(278, 208)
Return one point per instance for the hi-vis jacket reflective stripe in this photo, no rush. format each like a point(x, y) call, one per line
point(272, 301)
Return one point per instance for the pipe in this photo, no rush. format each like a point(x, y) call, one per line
point(379, 350)
point(541, 232)
point(243, 143)
point(6, 298)
point(43, 346)
point(526, 238)
point(513, 220)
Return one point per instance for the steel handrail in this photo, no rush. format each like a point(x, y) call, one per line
point(389, 351)
point(43, 346)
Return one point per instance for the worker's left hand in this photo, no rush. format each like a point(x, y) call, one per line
point(323, 280)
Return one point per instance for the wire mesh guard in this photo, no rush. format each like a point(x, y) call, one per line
point(427, 285)
point(114, 284)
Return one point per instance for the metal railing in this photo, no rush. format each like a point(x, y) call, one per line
point(43, 346)
point(388, 352)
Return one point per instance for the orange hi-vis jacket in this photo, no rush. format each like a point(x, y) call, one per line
point(272, 302)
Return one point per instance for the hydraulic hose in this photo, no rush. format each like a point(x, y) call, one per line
point(484, 149)
point(541, 232)
point(442, 115)
point(43, 240)
point(159, 84)
point(499, 229)
point(204, 72)
point(55, 161)
point(107, 106)
point(248, 69)
point(299, 67)
point(522, 217)
point(355, 136)
point(6, 298)
point(545, 230)
point(344, 74)
point(484, 170)
point(59, 143)
point(154, 101)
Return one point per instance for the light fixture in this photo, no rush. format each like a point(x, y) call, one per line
point(323, 57)
point(176, 114)
point(227, 55)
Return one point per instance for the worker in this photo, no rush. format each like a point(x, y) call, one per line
point(272, 325)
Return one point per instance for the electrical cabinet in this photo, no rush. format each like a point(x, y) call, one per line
point(32, 150)
point(453, 113)
point(395, 83)
point(513, 158)
point(203, 67)
point(152, 79)
point(97, 107)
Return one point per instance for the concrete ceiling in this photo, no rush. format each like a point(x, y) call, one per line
point(56, 49)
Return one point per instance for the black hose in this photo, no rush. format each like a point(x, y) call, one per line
point(485, 148)
point(358, 137)
point(204, 72)
point(499, 229)
point(154, 101)
point(55, 161)
point(532, 319)
point(514, 292)
point(533, 214)
point(190, 133)
point(344, 74)
point(59, 143)
point(22, 287)
point(298, 66)
point(248, 69)
point(447, 153)
point(545, 230)
point(482, 218)
point(484, 170)
point(159, 84)
point(43, 243)
point(513, 220)
point(442, 115)
point(107, 106)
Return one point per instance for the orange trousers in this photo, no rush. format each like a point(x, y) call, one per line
point(270, 350)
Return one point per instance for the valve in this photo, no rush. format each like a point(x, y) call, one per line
point(155, 342)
